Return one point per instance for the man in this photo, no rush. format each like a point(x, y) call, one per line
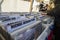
point(41, 6)
point(56, 13)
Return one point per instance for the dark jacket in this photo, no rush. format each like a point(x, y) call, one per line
point(55, 13)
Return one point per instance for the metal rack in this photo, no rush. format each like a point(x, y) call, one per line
point(48, 23)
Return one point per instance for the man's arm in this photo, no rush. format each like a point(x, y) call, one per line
point(51, 13)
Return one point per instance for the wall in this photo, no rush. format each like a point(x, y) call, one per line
point(15, 6)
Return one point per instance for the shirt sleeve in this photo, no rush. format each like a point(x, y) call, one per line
point(51, 13)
